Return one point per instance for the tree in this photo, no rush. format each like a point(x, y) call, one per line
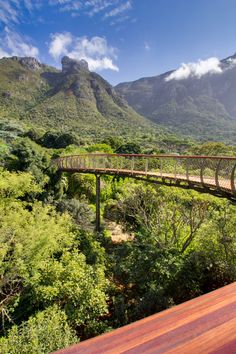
point(41, 263)
point(103, 148)
point(114, 141)
point(184, 246)
point(213, 149)
point(29, 156)
point(34, 134)
point(17, 184)
point(43, 333)
point(129, 148)
point(82, 186)
point(81, 212)
point(174, 218)
point(57, 140)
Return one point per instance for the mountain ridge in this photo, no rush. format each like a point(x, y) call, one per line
point(71, 99)
point(185, 105)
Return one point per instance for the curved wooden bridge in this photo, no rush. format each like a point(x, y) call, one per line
point(208, 174)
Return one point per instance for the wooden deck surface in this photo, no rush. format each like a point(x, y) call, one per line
point(224, 184)
point(206, 324)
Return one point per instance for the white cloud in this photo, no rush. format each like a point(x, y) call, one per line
point(59, 44)
point(12, 43)
point(60, 2)
point(96, 6)
point(95, 51)
point(9, 11)
point(232, 61)
point(198, 69)
point(109, 8)
point(28, 4)
point(119, 20)
point(13, 11)
point(71, 6)
point(99, 64)
point(119, 9)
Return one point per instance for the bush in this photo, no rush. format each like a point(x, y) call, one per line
point(46, 332)
point(129, 148)
point(29, 156)
point(41, 262)
point(56, 140)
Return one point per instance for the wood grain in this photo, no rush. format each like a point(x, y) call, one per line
point(206, 324)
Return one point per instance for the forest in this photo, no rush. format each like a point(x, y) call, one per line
point(62, 282)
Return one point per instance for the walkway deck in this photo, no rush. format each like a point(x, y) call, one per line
point(208, 174)
point(206, 324)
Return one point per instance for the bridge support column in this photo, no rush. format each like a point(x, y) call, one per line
point(98, 217)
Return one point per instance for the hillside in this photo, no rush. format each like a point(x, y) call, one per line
point(71, 99)
point(201, 107)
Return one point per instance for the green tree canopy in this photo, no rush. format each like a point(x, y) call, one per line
point(129, 148)
point(41, 262)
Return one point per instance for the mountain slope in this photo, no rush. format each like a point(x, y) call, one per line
point(73, 99)
point(204, 108)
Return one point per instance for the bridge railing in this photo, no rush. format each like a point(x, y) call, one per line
point(210, 171)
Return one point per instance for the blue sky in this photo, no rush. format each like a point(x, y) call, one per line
point(122, 40)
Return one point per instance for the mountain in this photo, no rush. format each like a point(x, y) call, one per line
point(203, 107)
point(71, 99)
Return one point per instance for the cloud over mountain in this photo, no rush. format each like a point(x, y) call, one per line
point(95, 51)
point(59, 44)
point(198, 69)
point(232, 61)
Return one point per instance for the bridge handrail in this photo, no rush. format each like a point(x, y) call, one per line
point(216, 174)
point(154, 156)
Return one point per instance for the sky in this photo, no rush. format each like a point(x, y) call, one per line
point(123, 40)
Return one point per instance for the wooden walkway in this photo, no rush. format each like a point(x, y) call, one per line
point(206, 324)
point(208, 174)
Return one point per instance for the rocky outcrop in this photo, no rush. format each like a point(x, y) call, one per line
point(29, 62)
point(72, 99)
point(72, 66)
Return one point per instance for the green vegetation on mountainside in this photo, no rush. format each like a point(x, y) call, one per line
point(73, 99)
point(201, 107)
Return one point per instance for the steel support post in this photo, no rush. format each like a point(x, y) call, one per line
point(233, 181)
point(175, 168)
point(202, 167)
point(187, 170)
point(217, 175)
point(98, 189)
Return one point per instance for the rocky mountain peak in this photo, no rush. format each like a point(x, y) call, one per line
point(229, 60)
point(233, 56)
point(73, 66)
point(28, 62)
